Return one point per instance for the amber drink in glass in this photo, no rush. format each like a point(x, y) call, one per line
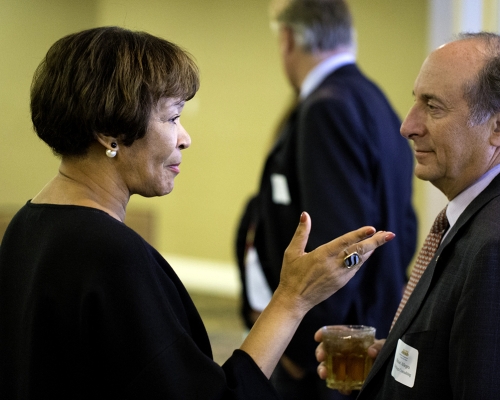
point(347, 362)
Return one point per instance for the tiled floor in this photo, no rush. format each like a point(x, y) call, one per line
point(224, 325)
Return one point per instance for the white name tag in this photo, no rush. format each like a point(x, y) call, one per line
point(405, 364)
point(281, 195)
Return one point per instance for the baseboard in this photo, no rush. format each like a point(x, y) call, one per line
point(212, 277)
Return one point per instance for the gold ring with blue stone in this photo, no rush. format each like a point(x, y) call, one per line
point(352, 260)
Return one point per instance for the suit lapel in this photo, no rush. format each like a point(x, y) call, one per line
point(417, 297)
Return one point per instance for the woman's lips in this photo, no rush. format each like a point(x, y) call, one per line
point(174, 168)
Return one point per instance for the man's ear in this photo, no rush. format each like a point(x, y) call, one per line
point(495, 133)
point(287, 40)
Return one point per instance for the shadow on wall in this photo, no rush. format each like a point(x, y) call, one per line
point(143, 222)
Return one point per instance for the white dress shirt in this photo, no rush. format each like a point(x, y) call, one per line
point(457, 206)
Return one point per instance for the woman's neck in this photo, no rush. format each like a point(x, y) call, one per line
point(82, 183)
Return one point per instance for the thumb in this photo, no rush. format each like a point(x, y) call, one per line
point(298, 243)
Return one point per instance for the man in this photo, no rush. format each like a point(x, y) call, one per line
point(341, 158)
point(445, 344)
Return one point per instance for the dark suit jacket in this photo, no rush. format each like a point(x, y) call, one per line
point(453, 316)
point(346, 164)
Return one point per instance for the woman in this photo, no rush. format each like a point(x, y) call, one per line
point(88, 309)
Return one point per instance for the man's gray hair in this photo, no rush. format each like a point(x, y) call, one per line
point(483, 92)
point(318, 25)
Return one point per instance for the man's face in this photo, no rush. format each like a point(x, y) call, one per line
point(449, 152)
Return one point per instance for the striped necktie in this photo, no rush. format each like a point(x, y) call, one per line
point(424, 257)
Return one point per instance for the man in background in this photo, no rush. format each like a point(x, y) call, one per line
point(446, 336)
point(340, 157)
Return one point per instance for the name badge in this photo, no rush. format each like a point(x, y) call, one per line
point(405, 364)
point(281, 195)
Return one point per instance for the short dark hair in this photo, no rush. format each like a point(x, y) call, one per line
point(106, 80)
point(482, 93)
point(318, 25)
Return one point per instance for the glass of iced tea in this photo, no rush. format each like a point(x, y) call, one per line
point(347, 362)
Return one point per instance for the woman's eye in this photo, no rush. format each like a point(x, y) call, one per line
point(174, 119)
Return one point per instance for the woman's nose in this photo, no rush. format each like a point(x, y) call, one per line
point(184, 139)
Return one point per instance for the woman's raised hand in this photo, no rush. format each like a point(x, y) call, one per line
point(306, 280)
point(309, 278)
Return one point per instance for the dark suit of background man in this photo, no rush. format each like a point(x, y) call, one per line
point(341, 158)
point(448, 334)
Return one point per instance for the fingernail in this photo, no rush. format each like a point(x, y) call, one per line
point(389, 236)
point(303, 217)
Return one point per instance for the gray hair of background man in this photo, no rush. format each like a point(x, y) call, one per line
point(482, 94)
point(318, 25)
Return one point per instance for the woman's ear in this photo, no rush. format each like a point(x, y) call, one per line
point(109, 142)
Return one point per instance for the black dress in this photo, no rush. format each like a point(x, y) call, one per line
point(88, 309)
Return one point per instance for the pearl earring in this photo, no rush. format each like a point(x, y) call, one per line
point(111, 153)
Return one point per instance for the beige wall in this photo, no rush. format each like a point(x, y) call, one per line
point(27, 29)
point(231, 119)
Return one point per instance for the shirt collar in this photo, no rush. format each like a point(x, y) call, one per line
point(457, 206)
point(322, 70)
